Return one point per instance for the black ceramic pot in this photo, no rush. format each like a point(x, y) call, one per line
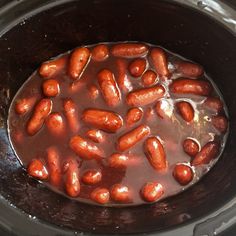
point(33, 31)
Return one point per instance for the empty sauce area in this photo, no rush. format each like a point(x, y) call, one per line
point(118, 124)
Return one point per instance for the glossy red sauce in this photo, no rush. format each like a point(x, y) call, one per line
point(183, 111)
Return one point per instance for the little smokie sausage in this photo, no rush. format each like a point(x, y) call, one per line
point(133, 115)
point(152, 191)
point(85, 149)
point(55, 124)
point(92, 177)
point(100, 195)
point(159, 60)
point(120, 193)
point(52, 68)
point(155, 153)
point(131, 138)
point(78, 61)
point(40, 113)
point(191, 147)
point(129, 50)
point(183, 174)
point(191, 86)
point(72, 183)
point(100, 52)
point(137, 67)
point(102, 119)
point(37, 169)
point(186, 110)
point(145, 96)
point(189, 69)
point(71, 113)
point(123, 80)
point(24, 105)
point(208, 153)
point(54, 166)
point(109, 88)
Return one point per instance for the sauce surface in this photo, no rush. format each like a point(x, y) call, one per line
point(173, 135)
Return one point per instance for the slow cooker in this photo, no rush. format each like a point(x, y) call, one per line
point(33, 31)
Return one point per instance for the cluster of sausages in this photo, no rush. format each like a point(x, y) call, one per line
point(134, 61)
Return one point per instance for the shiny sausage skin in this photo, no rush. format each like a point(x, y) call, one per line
point(131, 138)
point(102, 119)
point(145, 96)
point(100, 53)
point(109, 88)
point(51, 68)
point(189, 69)
point(159, 60)
point(155, 153)
point(54, 166)
point(78, 61)
point(129, 50)
point(40, 113)
point(186, 110)
point(72, 183)
point(133, 115)
point(71, 113)
point(191, 86)
point(123, 80)
point(209, 152)
point(55, 124)
point(85, 149)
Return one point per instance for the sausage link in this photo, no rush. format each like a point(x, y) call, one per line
point(55, 124)
point(120, 193)
point(51, 68)
point(71, 113)
point(133, 115)
point(183, 174)
point(129, 50)
point(191, 86)
point(117, 160)
point(155, 153)
point(122, 78)
point(72, 183)
point(145, 96)
point(220, 122)
point(159, 60)
point(131, 138)
point(41, 111)
point(102, 119)
point(109, 87)
point(95, 135)
point(189, 69)
point(24, 105)
point(149, 78)
point(85, 149)
point(37, 169)
point(93, 92)
point(152, 191)
point(164, 109)
point(208, 152)
point(137, 67)
point(186, 110)
point(100, 52)
point(100, 195)
point(51, 88)
point(92, 177)
point(191, 147)
point(78, 61)
point(214, 104)
point(54, 166)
